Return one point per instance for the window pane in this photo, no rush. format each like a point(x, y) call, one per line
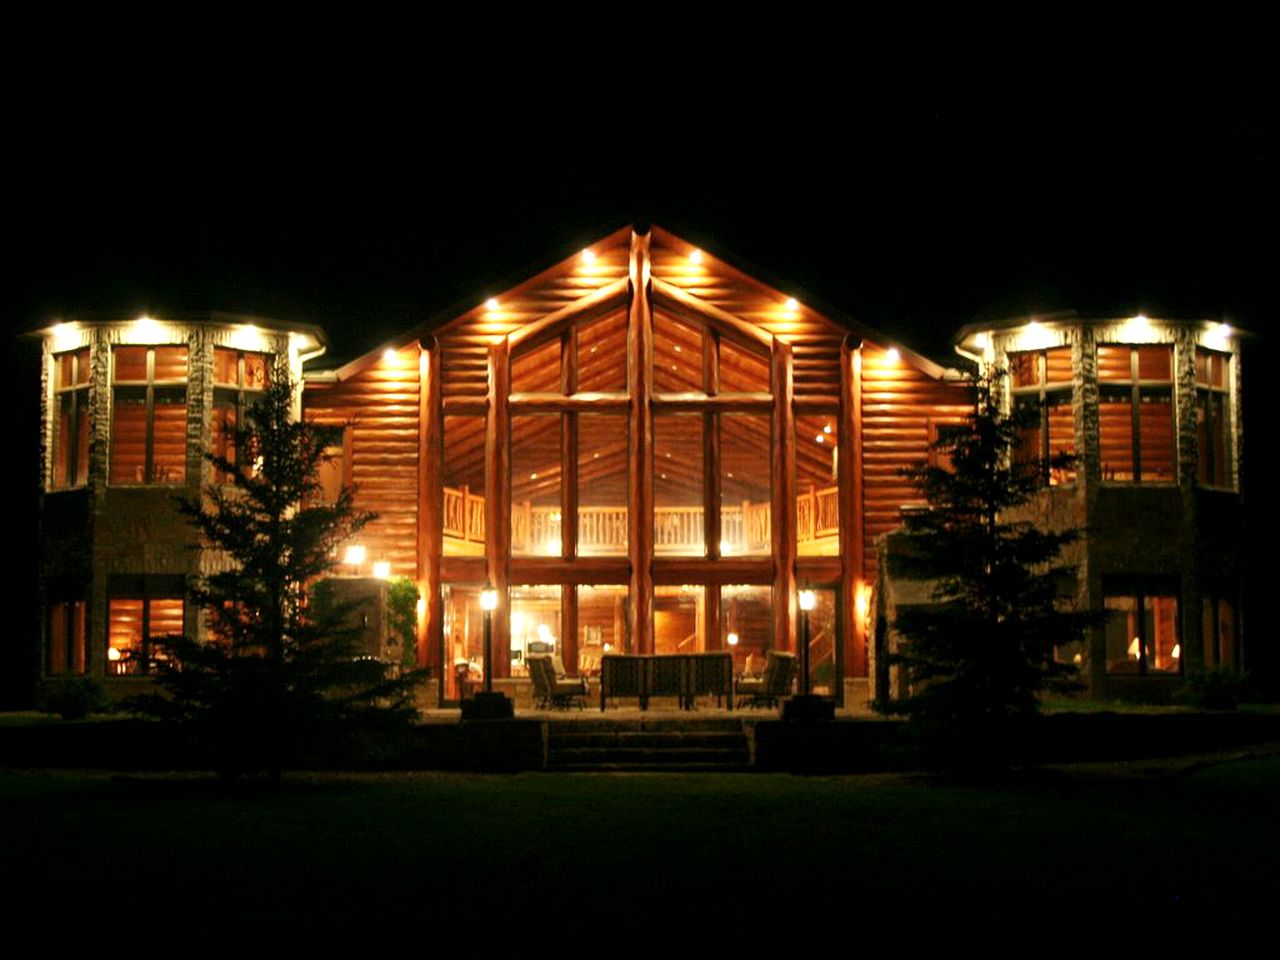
point(1025, 369)
point(1155, 437)
point(1155, 363)
point(256, 369)
point(742, 370)
point(1123, 643)
point(124, 637)
point(72, 369)
point(169, 437)
point(535, 625)
point(678, 486)
point(1161, 627)
point(464, 486)
point(1062, 435)
point(817, 484)
point(602, 625)
point(1058, 365)
point(602, 354)
point(63, 437)
point(59, 629)
point(822, 643)
point(746, 625)
point(463, 641)
point(171, 363)
point(535, 485)
point(677, 355)
point(1115, 433)
point(129, 437)
point(678, 619)
point(165, 617)
point(1029, 416)
point(1113, 363)
point(226, 367)
point(745, 485)
point(223, 439)
point(131, 363)
point(602, 485)
point(537, 370)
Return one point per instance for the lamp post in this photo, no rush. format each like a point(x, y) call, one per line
point(488, 705)
point(807, 603)
point(488, 603)
point(806, 706)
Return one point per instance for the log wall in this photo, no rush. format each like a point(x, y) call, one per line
point(379, 407)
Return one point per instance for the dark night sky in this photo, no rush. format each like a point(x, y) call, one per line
point(366, 207)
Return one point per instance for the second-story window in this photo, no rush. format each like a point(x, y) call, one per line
point(1041, 382)
point(1135, 412)
point(239, 378)
point(149, 415)
point(1213, 418)
point(70, 419)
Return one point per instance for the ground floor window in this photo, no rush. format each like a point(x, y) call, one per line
point(66, 651)
point(604, 617)
point(1142, 631)
point(463, 640)
point(1218, 628)
point(136, 621)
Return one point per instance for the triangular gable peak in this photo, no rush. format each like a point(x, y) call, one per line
point(690, 283)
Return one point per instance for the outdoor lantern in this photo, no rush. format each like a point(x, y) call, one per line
point(488, 598)
point(733, 639)
point(807, 600)
point(355, 555)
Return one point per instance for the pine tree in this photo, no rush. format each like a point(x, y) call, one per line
point(281, 679)
point(977, 659)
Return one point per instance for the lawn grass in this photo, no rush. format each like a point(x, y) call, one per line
point(1065, 863)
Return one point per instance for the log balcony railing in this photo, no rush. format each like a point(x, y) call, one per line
point(603, 530)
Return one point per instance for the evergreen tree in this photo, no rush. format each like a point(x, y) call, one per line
point(282, 678)
point(978, 658)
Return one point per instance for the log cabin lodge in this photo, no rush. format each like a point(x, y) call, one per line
point(646, 450)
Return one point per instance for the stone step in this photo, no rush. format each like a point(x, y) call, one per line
point(625, 739)
point(737, 754)
point(713, 744)
point(642, 767)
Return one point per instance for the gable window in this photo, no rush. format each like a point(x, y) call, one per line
point(568, 447)
point(712, 485)
point(1135, 412)
point(149, 415)
point(71, 419)
point(1041, 383)
point(1213, 418)
point(239, 379)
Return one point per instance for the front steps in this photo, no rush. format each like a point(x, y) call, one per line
point(720, 745)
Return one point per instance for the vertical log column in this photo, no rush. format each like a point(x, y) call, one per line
point(782, 464)
point(497, 502)
point(711, 488)
point(853, 559)
point(640, 508)
point(430, 502)
point(569, 500)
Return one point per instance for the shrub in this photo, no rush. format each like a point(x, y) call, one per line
point(72, 698)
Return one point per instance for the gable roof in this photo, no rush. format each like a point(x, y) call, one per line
point(681, 272)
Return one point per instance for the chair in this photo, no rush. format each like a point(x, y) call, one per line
point(552, 692)
point(772, 685)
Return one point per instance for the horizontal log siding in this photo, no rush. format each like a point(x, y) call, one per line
point(465, 342)
point(380, 406)
point(814, 340)
point(901, 410)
